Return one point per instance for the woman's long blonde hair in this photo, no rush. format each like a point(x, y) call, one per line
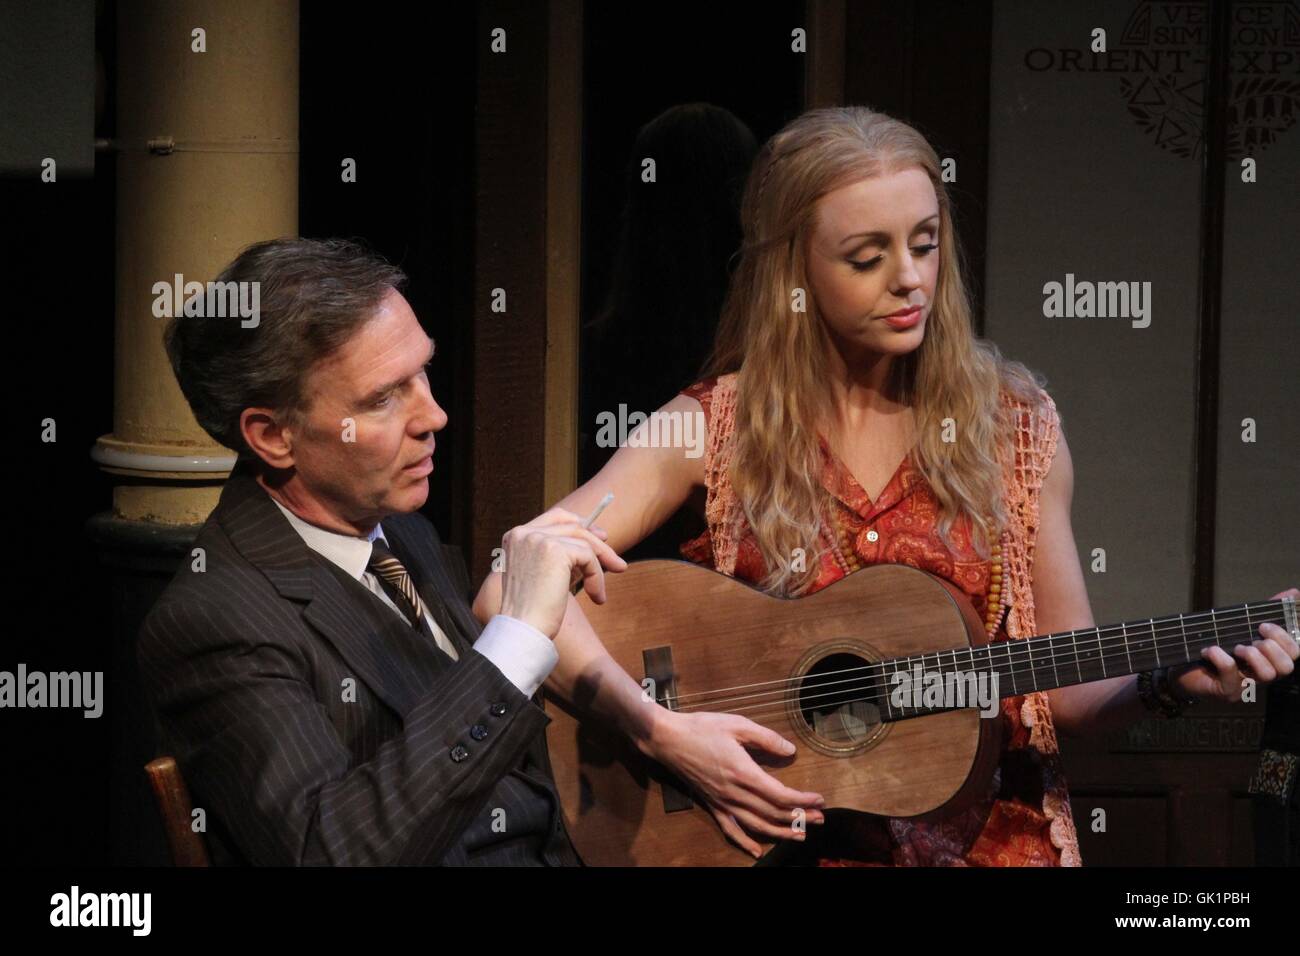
point(781, 355)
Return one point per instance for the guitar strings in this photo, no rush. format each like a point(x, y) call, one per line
point(1017, 652)
point(871, 698)
point(1013, 650)
point(1012, 671)
point(1015, 646)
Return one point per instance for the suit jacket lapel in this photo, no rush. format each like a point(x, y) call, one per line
point(360, 627)
point(408, 659)
point(424, 562)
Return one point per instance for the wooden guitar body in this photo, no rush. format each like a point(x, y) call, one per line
point(707, 639)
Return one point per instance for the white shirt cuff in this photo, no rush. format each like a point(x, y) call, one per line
point(520, 651)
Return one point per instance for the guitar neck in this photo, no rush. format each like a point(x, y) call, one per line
point(1113, 650)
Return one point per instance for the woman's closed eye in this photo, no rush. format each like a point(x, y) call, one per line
point(874, 261)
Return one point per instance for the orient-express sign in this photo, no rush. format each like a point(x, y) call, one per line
point(1160, 57)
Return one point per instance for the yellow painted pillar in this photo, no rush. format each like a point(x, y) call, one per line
point(207, 163)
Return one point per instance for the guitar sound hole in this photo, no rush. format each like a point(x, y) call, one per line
point(833, 700)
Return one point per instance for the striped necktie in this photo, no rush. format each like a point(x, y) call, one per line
point(385, 566)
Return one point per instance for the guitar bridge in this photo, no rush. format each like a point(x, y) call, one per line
point(658, 663)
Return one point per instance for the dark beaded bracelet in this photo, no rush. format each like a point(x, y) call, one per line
point(1158, 695)
point(1171, 689)
point(1147, 694)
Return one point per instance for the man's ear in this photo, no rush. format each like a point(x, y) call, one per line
point(268, 438)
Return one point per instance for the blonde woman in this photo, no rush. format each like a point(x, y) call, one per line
point(853, 414)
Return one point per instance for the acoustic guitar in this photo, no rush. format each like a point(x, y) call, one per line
point(865, 677)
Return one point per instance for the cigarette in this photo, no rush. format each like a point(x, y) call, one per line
point(604, 503)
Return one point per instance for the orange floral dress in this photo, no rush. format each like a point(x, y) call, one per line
point(1024, 818)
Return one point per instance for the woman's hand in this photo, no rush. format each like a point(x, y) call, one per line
point(1265, 660)
point(711, 753)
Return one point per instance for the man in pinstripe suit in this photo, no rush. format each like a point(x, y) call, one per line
point(316, 670)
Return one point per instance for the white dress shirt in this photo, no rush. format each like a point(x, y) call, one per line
point(521, 652)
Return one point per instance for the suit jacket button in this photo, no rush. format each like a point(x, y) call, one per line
point(498, 710)
point(478, 731)
point(459, 753)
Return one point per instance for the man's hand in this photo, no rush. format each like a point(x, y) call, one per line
point(542, 560)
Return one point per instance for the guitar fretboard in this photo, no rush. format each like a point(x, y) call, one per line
point(1091, 654)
